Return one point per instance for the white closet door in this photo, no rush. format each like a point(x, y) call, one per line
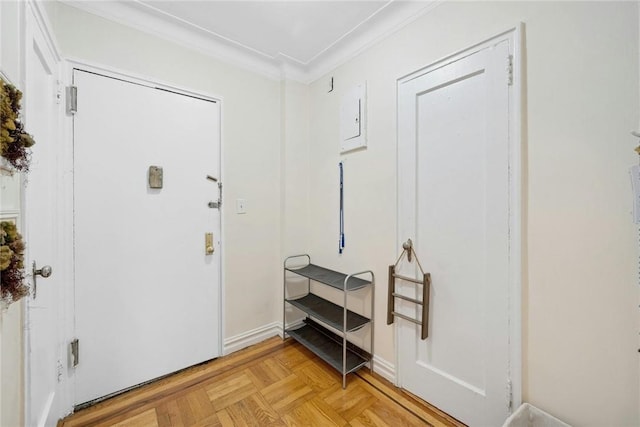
point(454, 203)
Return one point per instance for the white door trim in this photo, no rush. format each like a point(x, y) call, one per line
point(69, 65)
point(517, 188)
point(116, 73)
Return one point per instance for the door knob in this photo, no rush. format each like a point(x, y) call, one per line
point(44, 272)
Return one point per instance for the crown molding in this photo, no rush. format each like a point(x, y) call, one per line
point(142, 17)
point(126, 13)
point(397, 16)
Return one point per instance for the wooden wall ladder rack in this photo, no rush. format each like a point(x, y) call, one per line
point(392, 295)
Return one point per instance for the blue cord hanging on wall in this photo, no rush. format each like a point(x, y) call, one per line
point(341, 235)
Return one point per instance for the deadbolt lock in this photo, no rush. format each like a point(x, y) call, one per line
point(208, 244)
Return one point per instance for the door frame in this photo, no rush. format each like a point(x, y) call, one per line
point(70, 64)
point(517, 195)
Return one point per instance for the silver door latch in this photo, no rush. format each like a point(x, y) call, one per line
point(74, 352)
point(217, 204)
point(44, 272)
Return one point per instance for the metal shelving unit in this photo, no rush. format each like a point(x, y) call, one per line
point(333, 348)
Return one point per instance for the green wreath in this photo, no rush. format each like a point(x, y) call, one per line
point(14, 141)
point(11, 263)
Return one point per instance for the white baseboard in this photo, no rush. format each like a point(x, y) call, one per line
point(384, 368)
point(254, 336)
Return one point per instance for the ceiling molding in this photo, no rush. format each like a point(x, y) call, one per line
point(396, 17)
point(125, 13)
point(376, 27)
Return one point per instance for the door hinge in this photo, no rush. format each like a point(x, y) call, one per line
point(72, 99)
point(510, 70)
point(509, 396)
point(74, 352)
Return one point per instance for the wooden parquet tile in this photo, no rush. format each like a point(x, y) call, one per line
point(168, 414)
point(381, 414)
point(147, 418)
point(267, 372)
point(195, 406)
point(318, 375)
point(231, 390)
point(271, 384)
point(314, 412)
point(349, 402)
point(288, 393)
point(252, 411)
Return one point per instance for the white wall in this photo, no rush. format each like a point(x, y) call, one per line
point(580, 292)
point(251, 149)
point(295, 167)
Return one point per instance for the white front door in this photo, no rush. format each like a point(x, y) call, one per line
point(42, 320)
point(454, 202)
point(147, 292)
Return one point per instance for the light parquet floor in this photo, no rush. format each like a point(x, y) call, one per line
point(273, 383)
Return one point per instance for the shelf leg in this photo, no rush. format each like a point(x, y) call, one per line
point(373, 316)
point(284, 299)
point(344, 338)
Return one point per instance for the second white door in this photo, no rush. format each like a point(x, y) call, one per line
point(454, 202)
point(147, 293)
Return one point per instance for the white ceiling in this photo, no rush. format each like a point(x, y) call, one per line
point(296, 39)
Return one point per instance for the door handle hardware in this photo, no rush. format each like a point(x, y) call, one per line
point(44, 272)
point(208, 244)
point(74, 349)
point(217, 204)
point(408, 248)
